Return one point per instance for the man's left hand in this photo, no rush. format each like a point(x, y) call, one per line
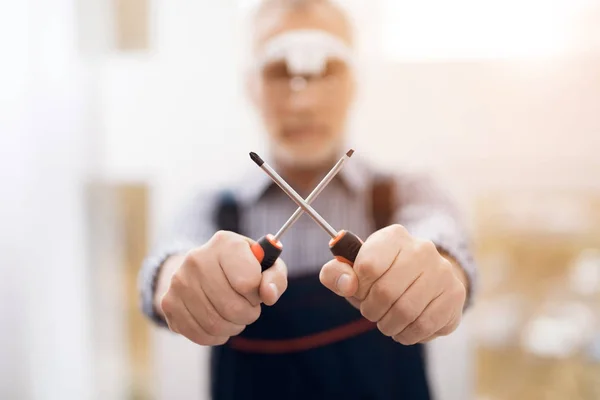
point(404, 284)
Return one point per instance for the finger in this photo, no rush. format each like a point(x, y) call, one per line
point(436, 316)
point(430, 338)
point(273, 283)
point(210, 321)
point(452, 325)
point(339, 277)
point(241, 268)
point(448, 329)
point(182, 322)
point(211, 280)
point(201, 309)
point(376, 255)
point(410, 305)
point(390, 287)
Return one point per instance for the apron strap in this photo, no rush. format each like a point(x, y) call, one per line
point(383, 201)
point(227, 214)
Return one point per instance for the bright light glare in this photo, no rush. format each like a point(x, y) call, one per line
point(467, 29)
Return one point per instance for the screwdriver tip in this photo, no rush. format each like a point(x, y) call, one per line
point(259, 161)
point(350, 152)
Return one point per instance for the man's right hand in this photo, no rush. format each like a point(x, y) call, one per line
point(217, 290)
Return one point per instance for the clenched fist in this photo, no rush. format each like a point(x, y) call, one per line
point(217, 289)
point(402, 283)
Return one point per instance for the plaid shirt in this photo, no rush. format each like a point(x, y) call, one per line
point(422, 208)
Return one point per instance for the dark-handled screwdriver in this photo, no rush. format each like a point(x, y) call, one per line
point(344, 245)
point(268, 248)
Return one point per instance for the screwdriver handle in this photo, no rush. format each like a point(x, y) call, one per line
point(267, 250)
point(345, 247)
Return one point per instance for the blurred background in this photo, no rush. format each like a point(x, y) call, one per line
point(111, 113)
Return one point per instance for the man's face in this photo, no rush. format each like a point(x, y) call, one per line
point(304, 114)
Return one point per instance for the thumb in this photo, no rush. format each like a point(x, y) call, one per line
point(340, 278)
point(273, 283)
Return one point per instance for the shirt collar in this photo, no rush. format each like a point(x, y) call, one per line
point(355, 176)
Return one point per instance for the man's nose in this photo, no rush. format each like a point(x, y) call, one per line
point(302, 93)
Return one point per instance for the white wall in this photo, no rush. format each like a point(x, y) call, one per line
point(13, 101)
point(43, 163)
point(168, 115)
point(490, 125)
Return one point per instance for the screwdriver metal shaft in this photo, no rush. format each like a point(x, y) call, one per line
point(344, 245)
point(268, 248)
point(294, 195)
point(316, 191)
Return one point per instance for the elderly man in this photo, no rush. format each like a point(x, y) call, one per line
point(312, 326)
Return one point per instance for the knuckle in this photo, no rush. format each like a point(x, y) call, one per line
point(459, 293)
point(195, 254)
point(238, 329)
point(425, 247)
point(368, 311)
point(234, 243)
point(178, 282)
point(445, 274)
point(194, 258)
point(200, 338)
point(193, 266)
point(382, 292)
point(167, 307)
point(254, 314)
point(423, 326)
point(221, 237)
point(213, 325)
point(195, 337)
point(446, 267)
point(166, 303)
point(405, 339)
point(245, 284)
point(385, 329)
point(236, 311)
point(366, 267)
point(397, 230)
point(406, 310)
point(218, 341)
point(445, 331)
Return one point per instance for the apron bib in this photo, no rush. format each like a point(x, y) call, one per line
point(313, 344)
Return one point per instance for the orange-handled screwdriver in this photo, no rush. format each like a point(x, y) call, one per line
point(344, 245)
point(268, 248)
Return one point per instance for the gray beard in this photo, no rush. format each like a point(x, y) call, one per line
point(296, 159)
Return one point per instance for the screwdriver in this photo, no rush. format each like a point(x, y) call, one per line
point(344, 245)
point(268, 248)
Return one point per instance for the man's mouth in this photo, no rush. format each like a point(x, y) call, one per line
point(303, 132)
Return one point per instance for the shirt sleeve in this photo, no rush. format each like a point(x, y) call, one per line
point(427, 212)
point(191, 228)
